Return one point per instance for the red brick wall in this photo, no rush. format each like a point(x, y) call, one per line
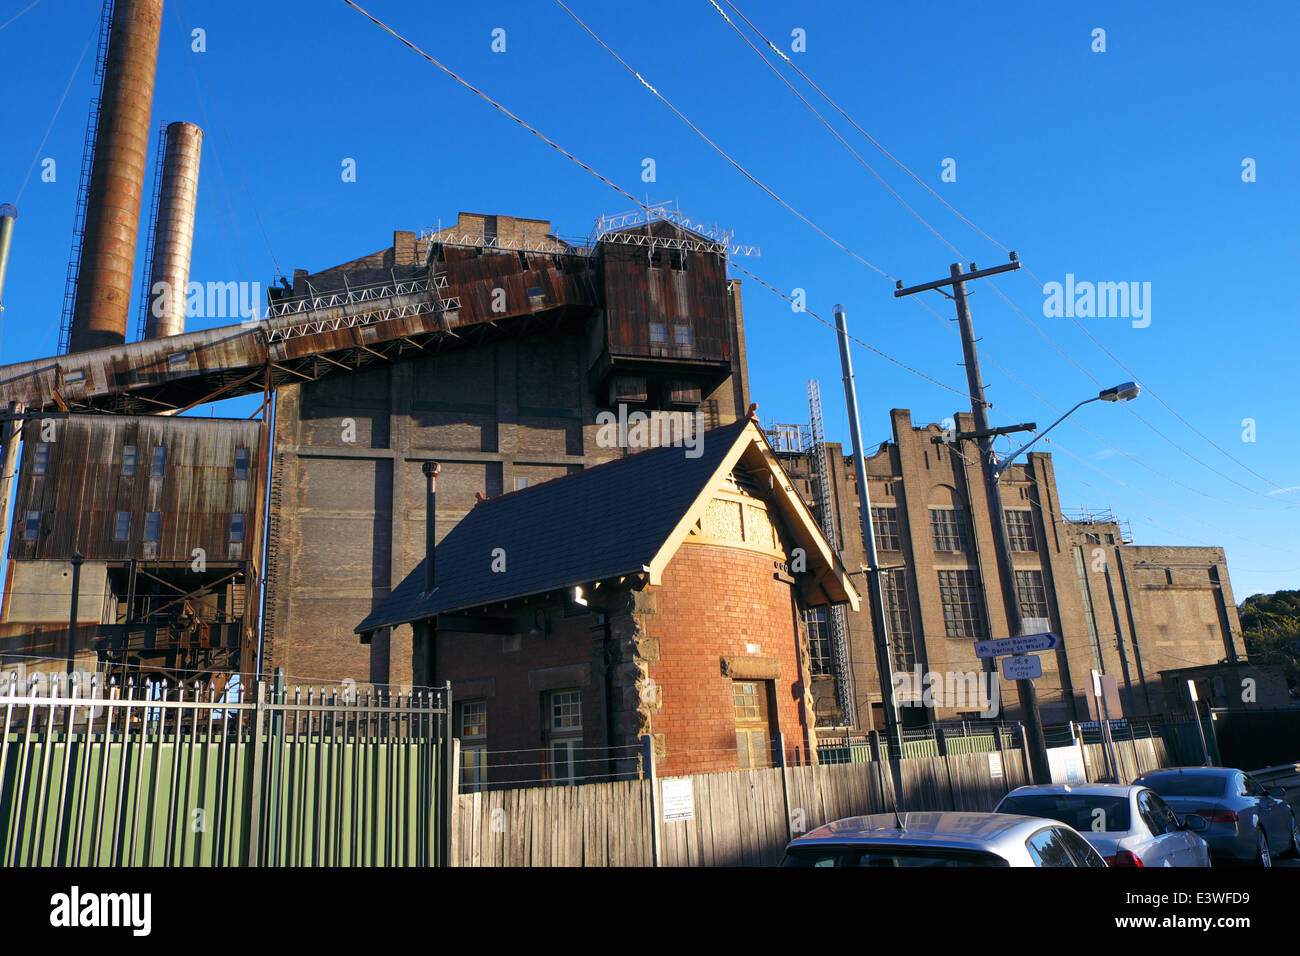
point(515, 725)
point(713, 601)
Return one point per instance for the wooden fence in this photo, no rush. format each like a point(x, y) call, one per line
point(740, 818)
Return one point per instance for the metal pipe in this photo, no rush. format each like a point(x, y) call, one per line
point(103, 295)
point(8, 213)
point(431, 470)
point(173, 238)
point(884, 666)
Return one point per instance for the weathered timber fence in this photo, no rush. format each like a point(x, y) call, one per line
point(742, 817)
point(152, 776)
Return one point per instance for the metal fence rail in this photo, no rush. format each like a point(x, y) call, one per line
point(156, 776)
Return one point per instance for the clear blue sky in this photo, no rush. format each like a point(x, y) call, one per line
point(1117, 166)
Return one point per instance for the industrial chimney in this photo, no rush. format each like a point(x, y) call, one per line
point(173, 236)
point(103, 296)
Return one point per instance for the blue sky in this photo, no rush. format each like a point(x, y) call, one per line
point(1117, 166)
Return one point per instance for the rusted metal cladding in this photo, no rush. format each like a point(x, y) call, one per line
point(174, 231)
point(179, 482)
point(103, 297)
point(666, 303)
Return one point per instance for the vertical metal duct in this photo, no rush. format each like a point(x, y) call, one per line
point(103, 296)
point(173, 237)
point(7, 216)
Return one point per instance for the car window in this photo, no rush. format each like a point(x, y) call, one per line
point(1047, 849)
point(1081, 811)
point(1162, 808)
point(1084, 855)
point(1169, 784)
point(1252, 789)
point(1153, 818)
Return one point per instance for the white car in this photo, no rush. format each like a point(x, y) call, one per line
point(1128, 825)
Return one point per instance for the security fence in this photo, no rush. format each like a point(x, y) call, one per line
point(152, 775)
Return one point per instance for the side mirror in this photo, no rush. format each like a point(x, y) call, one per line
point(1196, 823)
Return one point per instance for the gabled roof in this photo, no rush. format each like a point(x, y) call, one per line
point(625, 517)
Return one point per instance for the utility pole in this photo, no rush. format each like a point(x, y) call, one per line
point(884, 666)
point(984, 435)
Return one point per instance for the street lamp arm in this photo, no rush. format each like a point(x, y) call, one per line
point(1005, 463)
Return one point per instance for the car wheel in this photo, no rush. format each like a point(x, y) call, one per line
point(1262, 857)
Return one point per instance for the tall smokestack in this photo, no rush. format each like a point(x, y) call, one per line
point(7, 216)
point(173, 237)
point(100, 312)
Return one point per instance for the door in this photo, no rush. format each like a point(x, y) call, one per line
point(1275, 814)
point(753, 723)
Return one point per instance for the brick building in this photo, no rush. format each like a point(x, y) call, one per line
point(659, 594)
point(644, 320)
point(1126, 610)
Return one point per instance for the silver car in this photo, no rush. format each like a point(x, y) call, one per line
point(1247, 822)
point(1128, 825)
point(942, 840)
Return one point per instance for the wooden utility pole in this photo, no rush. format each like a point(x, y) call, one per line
point(984, 434)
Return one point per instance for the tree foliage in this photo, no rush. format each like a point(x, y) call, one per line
point(1270, 627)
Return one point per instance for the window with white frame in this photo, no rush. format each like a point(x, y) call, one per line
point(564, 730)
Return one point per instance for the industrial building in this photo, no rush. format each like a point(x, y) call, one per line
point(501, 350)
point(1127, 611)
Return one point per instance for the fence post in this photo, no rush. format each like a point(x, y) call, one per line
point(785, 785)
point(941, 743)
point(252, 856)
point(656, 815)
point(1002, 760)
point(453, 804)
point(1024, 755)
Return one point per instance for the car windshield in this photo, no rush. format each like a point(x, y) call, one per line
point(1186, 784)
point(888, 856)
point(1084, 812)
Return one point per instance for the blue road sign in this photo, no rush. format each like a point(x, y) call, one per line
point(1024, 644)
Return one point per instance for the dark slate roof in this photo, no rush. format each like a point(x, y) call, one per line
point(594, 524)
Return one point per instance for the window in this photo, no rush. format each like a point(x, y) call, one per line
point(894, 585)
point(683, 336)
point(819, 641)
point(128, 461)
point(241, 463)
point(564, 722)
point(753, 723)
point(1032, 595)
point(152, 525)
point(884, 521)
point(521, 483)
point(948, 527)
point(658, 333)
point(472, 728)
point(122, 526)
point(31, 525)
point(1020, 530)
point(1083, 853)
point(236, 528)
point(1151, 815)
point(959, 592)
point(159, 462)
point(1092, 538)
point(1047, 849)
point(41, 460)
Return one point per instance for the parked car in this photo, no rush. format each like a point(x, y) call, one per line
point(1247, 822)
point(941, 839)
point(1128, 825)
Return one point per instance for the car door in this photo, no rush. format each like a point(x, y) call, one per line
point(1165, 843)
point(1189, 849)
point(1274, 813)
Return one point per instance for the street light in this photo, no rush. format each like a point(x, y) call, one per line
point(1124, 392)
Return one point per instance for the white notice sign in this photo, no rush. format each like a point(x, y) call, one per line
point(678, 799)
point(995, 764)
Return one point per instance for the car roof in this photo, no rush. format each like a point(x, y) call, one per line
point(1197, 771)
point(949, 829)
point(1083, 789)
